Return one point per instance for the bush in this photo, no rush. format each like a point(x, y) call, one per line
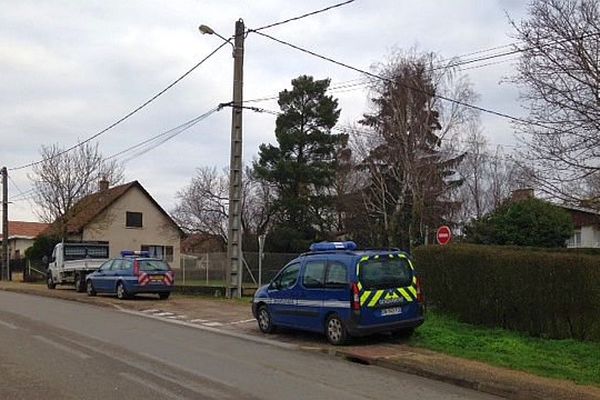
point(546, 294)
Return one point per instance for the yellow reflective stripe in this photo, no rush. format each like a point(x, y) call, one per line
point(391, 296)
point(359, 286)
point(375, 298)
point(391, 255)
point(364, 297)
point(414, 280)
point(365, 258)
point(405, 294)
point(413, 291)
point(376, 257)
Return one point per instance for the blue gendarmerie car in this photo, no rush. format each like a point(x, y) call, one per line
point(134, 272)
point(342, 292)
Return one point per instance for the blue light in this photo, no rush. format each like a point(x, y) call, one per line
point(329, 246)
point(134, 253)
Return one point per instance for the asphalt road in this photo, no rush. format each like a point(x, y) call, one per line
point(56, 349)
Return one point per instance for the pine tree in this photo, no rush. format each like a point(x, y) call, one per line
point(302, 164)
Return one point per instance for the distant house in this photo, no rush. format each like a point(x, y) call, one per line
point(21, 235)
point(585, 220)
point(127, 218)
point(587, 227)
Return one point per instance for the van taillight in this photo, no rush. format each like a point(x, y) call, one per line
point(355, 297)
point(136, 268)
point(420, 297)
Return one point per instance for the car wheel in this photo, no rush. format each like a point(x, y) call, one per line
point(50, 282)
point(89, 288)
point(335, 330)
point(265, 323)
point(164, 296)
point(121, 292)
point(79, 283)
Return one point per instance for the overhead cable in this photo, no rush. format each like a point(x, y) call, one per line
point(128, 115)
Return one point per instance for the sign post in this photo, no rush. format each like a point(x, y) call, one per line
point(443, 235)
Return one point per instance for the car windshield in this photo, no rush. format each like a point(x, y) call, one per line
point(153, 265)
point(385, 273)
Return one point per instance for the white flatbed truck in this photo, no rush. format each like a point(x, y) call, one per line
point(72, 262)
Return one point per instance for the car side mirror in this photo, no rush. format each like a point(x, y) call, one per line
point(274, 285)
point(45, 260)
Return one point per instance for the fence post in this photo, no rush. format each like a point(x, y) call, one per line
point(207, 264)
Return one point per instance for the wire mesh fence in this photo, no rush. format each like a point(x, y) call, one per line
point(210, 269)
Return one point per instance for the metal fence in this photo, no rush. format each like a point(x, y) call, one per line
point(209, 269)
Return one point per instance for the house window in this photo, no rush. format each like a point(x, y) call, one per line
point(156, 251)
point(133, 219)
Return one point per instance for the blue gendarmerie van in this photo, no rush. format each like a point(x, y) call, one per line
point(343, 292)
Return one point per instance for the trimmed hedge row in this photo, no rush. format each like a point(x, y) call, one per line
point(544, 293)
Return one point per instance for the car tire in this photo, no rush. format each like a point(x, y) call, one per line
point(335, 331)
point(265, 322)
point(121, 291)
point(89, 288)
point(164, 296)
point(50, 282)
point(79, 283)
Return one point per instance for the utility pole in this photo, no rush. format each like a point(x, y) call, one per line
point(5, 268)
point(234, 242)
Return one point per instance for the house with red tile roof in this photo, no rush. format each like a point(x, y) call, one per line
point(127, 218)
point(21, 235)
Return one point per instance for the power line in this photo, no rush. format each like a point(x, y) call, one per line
point(164, 137)
point(370, 74)
point(300, 16)
point(23, 196)
point(128, 115)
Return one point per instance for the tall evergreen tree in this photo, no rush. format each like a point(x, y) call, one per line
point(410, 176)
point(302, 165)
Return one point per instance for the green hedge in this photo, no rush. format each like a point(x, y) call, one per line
point(544, 293)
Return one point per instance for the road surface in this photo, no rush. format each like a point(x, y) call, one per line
point(56, 349)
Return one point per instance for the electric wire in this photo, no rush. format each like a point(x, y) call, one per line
point(441, 97)
point(301, 16)
point(161, 138)
point(128, 115)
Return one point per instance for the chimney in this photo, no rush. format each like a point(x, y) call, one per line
point(103, 185)
point(522, 194)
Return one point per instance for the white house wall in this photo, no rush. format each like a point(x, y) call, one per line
point(156, 230)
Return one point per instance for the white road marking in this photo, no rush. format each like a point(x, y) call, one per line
point(222, 332)
point(244, 321)
point(177, 317)
point(8, 325)
point(199, 320)
point(152, 310)
point(164, 314)
point(149, 384)
point(215, 323)
point(62, 347)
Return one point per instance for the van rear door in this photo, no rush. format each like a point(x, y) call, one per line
point(387, 285)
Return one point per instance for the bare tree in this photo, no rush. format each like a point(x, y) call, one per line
point(204, 204)
point(559, 72)
point(63, 178)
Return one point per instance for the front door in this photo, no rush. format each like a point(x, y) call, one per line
point(283, 295)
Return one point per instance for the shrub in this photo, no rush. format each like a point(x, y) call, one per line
point(546, 294)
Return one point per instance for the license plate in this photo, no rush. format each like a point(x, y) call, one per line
point(157, 278)
point(391, 311)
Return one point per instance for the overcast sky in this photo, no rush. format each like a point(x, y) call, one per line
point(70, 68)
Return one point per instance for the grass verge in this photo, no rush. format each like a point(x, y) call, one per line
point(562, 359)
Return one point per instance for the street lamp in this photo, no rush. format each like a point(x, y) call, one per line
point(207, 30)
point(234, 238)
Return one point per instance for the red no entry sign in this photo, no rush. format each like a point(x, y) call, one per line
point(443, 235)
